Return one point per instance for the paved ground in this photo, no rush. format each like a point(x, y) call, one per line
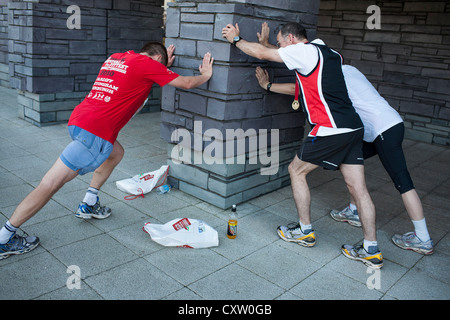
point(117, 260)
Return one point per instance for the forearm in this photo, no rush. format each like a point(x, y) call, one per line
point(196, 81)
point(283, 88)
point(259, 51)
point(269, 45)
point(251, 48)
point(189, 82)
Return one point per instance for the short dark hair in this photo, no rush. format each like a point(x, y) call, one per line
point(154, 48)
point(294, 28)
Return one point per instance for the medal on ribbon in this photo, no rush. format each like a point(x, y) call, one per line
point(295, 103)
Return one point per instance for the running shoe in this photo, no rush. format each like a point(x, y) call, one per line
point(346, 215)
point(358, 253)
point(293, 233)
point(409, 241)
point(18, 245)
point(97, 211)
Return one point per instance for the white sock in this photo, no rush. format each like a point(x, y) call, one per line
point(7, 232)
point(367, 244)
point(352, 207)
point(91, 196)
point(420, 228)
point(305, 227)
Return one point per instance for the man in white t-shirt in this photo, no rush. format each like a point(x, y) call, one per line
point(383, 135)
point(335, 141)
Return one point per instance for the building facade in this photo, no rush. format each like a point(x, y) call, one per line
point(407, 59)
point(51, 50)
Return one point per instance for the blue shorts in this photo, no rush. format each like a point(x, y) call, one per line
point(86, 152)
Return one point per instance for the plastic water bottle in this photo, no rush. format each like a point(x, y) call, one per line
point(232, 223)
point(163, 189)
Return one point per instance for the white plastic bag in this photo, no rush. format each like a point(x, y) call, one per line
point(185, 232)
point(143, 183)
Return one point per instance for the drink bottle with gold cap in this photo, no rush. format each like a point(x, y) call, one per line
point(232, 223)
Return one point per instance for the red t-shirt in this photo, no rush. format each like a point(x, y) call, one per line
point(122, 86)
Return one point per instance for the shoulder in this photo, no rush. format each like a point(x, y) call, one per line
point(302, 48)
point(145, 64)
point(318, 41)
point(300, 56)
point(353, 74)
point(350, 70)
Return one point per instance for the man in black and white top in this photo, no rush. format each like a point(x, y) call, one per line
point(335, 140)
point(383, 135)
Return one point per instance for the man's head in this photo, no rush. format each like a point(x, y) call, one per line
point(156, 50)
point(290, 33)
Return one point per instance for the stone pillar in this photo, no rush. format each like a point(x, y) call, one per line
point(53, 61)
point(4, 68)
point(229, 140)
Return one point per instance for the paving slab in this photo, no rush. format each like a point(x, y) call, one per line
point(118, 261)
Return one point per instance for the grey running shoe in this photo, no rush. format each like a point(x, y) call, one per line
point(346, 215)
point(293, 233)
point(18, 245)
point(372, 260)
point(409, 241)
point(96, 211)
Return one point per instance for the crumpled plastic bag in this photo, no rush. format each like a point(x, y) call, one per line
point(183, 232)
point(145, 182)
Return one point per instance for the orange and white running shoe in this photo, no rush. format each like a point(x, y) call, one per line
point(293, 233)
point(358, 253)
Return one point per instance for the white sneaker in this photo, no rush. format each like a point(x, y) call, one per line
point(346, 215)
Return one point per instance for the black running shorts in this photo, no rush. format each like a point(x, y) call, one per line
point(388, 146)
point(330, 152)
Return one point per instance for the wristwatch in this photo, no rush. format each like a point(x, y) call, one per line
point(236, 40)
point(269, 85)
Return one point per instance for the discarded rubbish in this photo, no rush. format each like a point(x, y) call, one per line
point(183, 232)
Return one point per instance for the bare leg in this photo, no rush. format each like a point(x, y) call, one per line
point(53, 180)
point(102, 173)
point(298, 171)
point(356, 184)
point(413, 205)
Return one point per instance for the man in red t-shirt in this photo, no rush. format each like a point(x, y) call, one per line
point(119, 92)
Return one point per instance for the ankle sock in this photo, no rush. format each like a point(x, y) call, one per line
point(370, 246)
point(420, 229)
point(7, 232)
point(91, 196)
point(305, 227)
point(352, 207)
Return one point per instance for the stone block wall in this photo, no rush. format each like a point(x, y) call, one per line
point(53, 66)
point(4, 68)
point(219, 171)
point(407, 59)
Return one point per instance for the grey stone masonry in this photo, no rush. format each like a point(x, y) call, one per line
point(229, 140)
point(4, 69)
point(55, 50)
point(407, 58)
